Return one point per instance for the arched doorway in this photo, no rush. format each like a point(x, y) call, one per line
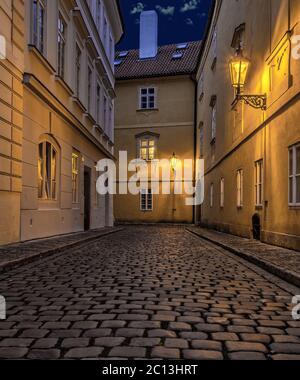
point(256, 227)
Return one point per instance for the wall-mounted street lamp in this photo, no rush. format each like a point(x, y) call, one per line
point(239, 66)
point(174, 162)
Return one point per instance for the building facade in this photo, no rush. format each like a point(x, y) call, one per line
point(155, 112)
point(64, 113)
point(252, 156)
point(12, 31)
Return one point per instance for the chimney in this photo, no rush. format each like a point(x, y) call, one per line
point(148, 34)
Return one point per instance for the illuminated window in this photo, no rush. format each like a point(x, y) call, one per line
point(146, 200)
point(47, 171)
point(294, 175)
point(148, 98)
point(75, 176)
point(147, 149)
point(222, 192)
point(259, 169)
point(240, 188)
point(38, 14)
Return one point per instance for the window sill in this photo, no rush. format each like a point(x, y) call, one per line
point(42, 58)
point(90, 118)
point(295, 207)
point(79, 103)
point(62, 82)
point(147, 110)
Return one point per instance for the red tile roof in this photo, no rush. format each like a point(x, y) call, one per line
point(163, 64)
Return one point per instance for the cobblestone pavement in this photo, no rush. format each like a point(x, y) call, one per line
point(286, 259)
point(22, 252)
point(147, 292)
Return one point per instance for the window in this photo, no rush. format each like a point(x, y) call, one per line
point(211, 203)
point(201, 87)
point(47, 171)
point(214, 48)
point(110, 120)
point(294, 175)
point(201, 137)
point(147, 98)
point(75, 174)
point(39, 10)
point(90, 78)
point(240, 188)
point(98, 13)
point(147, 149)
point(214, 119)
point(146, 200)
point(222, 192)
point(259, 183)
point(61, 45)
point(105, 33)
point(77, 71)
point(98, 101)
point(105, 113)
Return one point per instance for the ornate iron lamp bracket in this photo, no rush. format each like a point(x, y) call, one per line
point(255, 101)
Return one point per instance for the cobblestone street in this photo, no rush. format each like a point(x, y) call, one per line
point(147, 292)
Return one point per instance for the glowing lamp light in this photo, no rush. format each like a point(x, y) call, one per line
point(238, 71)
point(174, 161)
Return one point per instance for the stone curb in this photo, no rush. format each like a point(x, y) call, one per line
point(285, 274)
point(5, 267)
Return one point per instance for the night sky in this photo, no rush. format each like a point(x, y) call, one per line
point(179, 20)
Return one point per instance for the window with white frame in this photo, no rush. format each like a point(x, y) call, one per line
point(90, 87)
point(240, 188)
point(75, 177)
point(147, 148)
point(222, 192)
point(211, 201)
point(47, 171)
point(77, 71)
point(148, 99)
point(146, 200)
point(294, 175)
point(259, 175)
point(62, 35)
point(38, 24)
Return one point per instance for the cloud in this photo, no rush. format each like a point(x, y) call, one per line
point(189, 22)
point(138, 8)
point(166, 11)
point(190, 5)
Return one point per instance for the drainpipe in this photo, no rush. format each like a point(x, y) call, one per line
point(194, 80)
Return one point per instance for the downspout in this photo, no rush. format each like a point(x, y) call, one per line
point(194, 80)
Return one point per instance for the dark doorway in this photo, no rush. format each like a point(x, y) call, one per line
point(256, 227)
point(87, 198)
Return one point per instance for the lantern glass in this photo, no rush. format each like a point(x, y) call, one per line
point(238, 70)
